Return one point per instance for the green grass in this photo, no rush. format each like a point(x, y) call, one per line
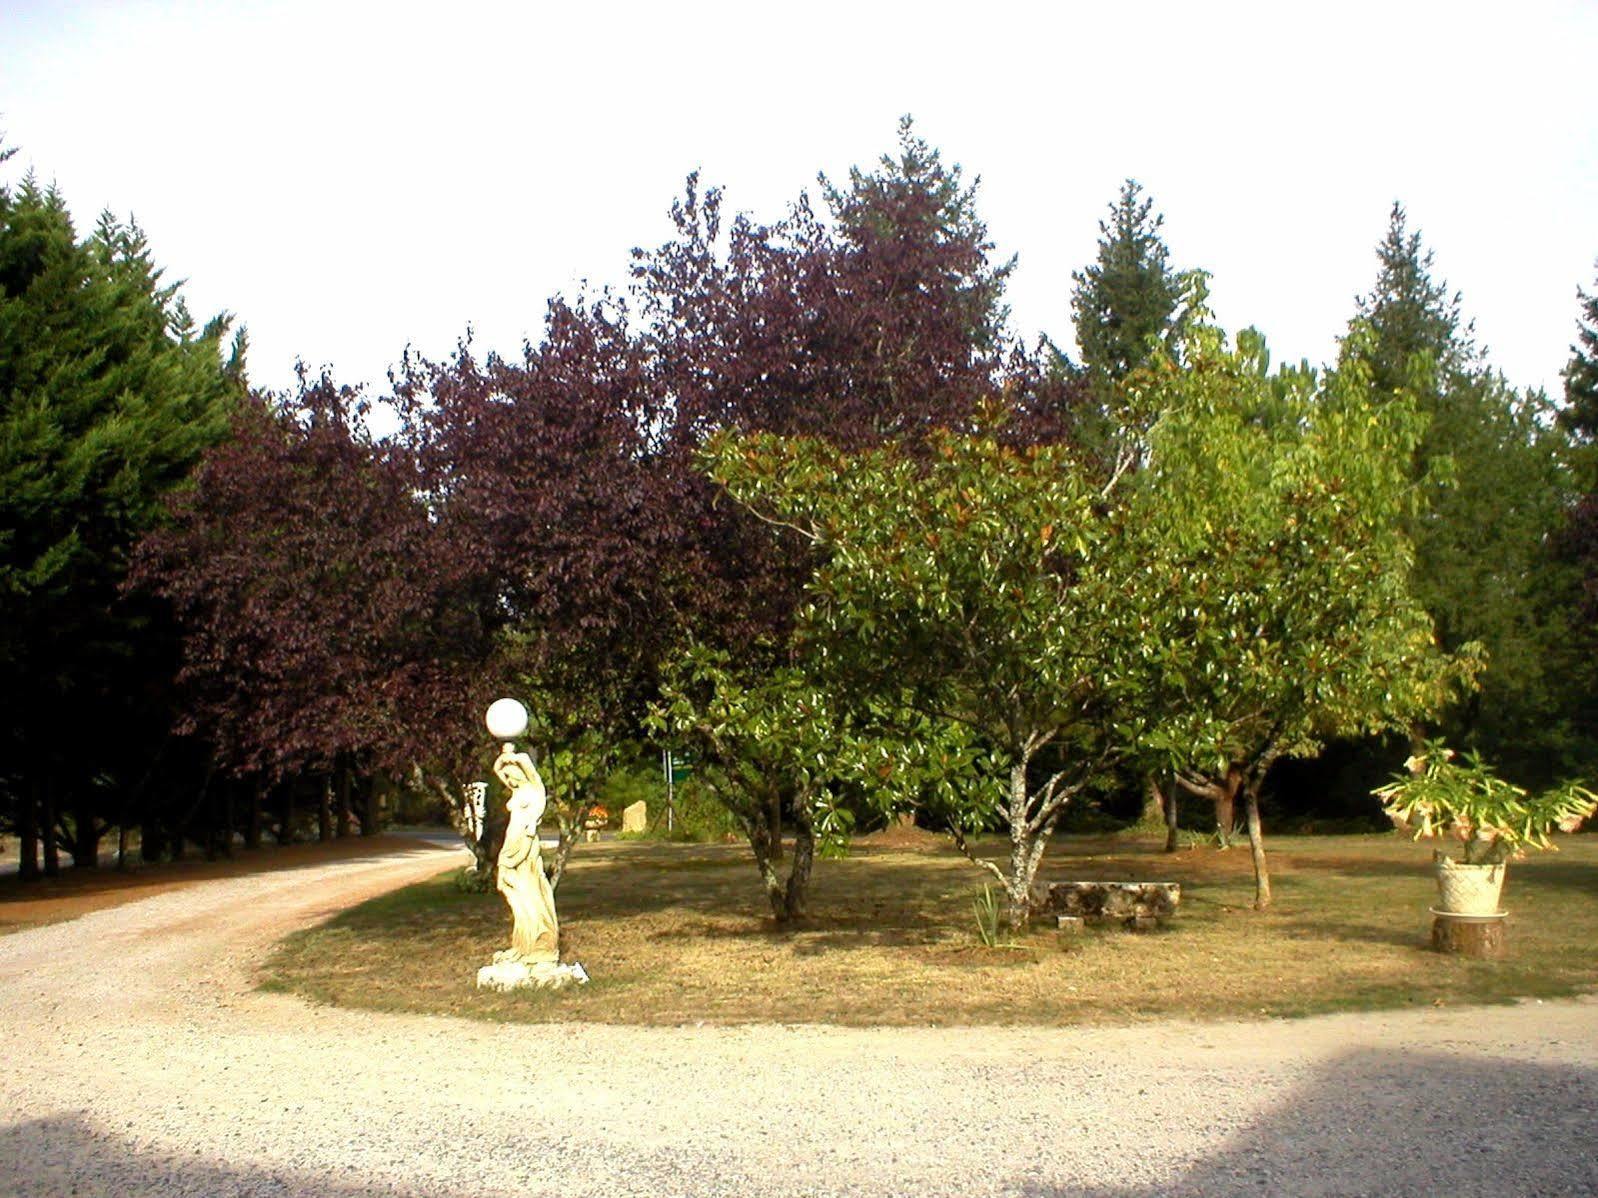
point(679, 934)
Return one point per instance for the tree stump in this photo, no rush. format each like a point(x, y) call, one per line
point(1480, 936)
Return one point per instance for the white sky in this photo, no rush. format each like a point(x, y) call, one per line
point(350, 178)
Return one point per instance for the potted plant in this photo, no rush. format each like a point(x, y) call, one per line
point(1441, 796)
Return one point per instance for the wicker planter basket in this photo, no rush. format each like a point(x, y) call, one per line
point(1468, 889)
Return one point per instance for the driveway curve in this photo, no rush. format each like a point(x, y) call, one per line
point(141, 1060)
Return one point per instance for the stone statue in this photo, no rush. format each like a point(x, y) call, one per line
point(535, 932)
point(533, 958)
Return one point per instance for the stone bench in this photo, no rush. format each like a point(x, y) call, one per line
point(1130, 904)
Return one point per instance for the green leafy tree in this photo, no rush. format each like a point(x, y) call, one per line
point(766, 737)
point(1577, 544)
point(109, 392)
point(883, 322)
point(1129, 304)
point(973, 596)
point(1276, 592)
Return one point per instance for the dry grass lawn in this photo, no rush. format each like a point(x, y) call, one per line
point(677, 934)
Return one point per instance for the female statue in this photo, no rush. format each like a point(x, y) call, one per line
point(535, 934)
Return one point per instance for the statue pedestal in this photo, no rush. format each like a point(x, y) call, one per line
point(545, 975)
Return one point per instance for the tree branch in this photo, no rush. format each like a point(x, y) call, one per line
point(958, 835)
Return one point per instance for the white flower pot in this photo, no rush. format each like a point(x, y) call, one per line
point(1468, 889)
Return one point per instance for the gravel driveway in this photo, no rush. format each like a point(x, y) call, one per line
point(140, 1061)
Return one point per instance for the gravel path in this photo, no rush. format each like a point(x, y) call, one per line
point(141, 1061)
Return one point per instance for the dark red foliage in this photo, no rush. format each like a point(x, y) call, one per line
point(882, 323)
point(316, 621)
point(545, 522)
point(552, 497)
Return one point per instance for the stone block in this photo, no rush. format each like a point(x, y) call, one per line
point(1131, 904)
point(636, 817)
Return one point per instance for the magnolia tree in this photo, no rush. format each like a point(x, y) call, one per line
point(1268, 531)
point(972, 594)
point(766, 737)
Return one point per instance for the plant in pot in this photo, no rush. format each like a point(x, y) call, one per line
point(1442, 796)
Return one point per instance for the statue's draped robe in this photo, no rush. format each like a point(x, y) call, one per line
point(535, 933)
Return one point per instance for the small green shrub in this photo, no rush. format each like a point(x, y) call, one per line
point(468, 880)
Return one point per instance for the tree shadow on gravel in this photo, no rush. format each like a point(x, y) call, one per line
point(65, 1155)
point(1402, 1124)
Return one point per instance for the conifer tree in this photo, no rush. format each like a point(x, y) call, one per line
point(1491, 485)
point(1580, 413)
point(1130, 297)
point(108, 394)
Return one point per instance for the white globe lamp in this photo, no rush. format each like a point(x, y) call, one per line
point(506, 719)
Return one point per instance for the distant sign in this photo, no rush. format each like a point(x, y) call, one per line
point(682, 764)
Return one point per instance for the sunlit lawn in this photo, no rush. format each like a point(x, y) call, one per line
point(679, 934)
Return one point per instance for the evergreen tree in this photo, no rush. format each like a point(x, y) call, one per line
point(1130, 298)
point(108, 394)
point(1418, 332)
point(1129, 303)
point(1578, 545)
point(1492, 484)
point(1580, 413)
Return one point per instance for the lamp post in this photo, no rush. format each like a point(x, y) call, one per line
point(506, 720)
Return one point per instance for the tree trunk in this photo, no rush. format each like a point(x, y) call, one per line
point(122, 845)
point(226, 840)
point(797, 892)
point(1018, 887)
point(252, 830)
point(1170, 813)
point(774, 823)
point(28, 831)
point(1153, 806)
point(371, 804)
point(1256, 844)
point(570, 833)
point(1226, 806)
point(149, 840)
point(763, 826)
point(758, 828)
point(47, 822)
point(1468, 936)
point(324, 810)
point(85, 838)
point(344, 780)
point(285, 823)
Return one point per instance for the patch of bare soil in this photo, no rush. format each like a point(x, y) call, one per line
point(903, 834)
